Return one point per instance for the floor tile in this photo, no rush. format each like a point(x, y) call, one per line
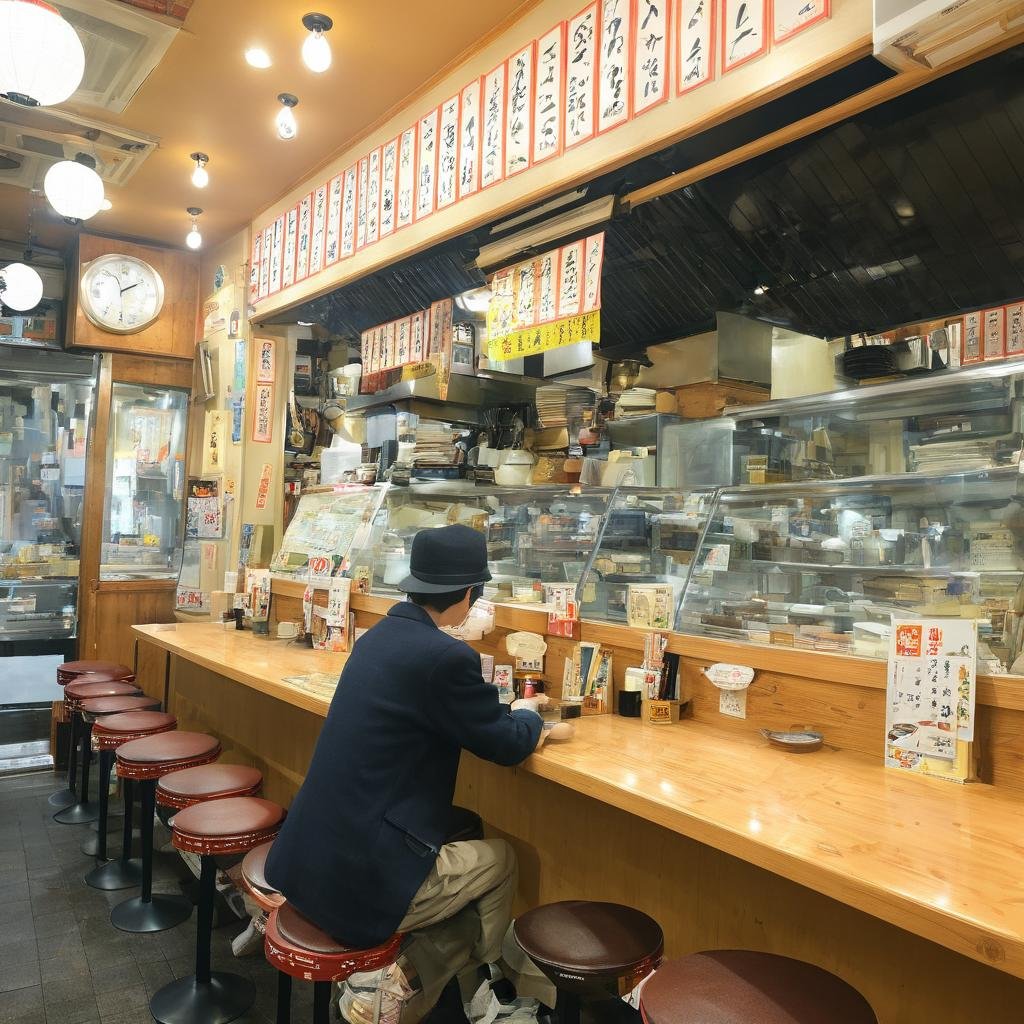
point(23, 1006)
point(17, 976)
point(127, 1000)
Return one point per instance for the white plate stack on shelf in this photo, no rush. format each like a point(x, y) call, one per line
point(635, 402)
point(434, 445)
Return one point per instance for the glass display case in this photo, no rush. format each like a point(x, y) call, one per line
point(957, 420)
point(145, 483)
point(822, 565)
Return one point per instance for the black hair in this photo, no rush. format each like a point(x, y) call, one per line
point(442, 602)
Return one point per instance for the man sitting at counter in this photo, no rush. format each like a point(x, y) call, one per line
point(362, 853)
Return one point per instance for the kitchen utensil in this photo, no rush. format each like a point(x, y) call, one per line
point(795, 742)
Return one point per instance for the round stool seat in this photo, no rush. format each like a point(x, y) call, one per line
point(254, 878)
point(207, 782)
point(109, 669)
point(95, 708)
point(232, 825)
point(112, 731)
point(735, 986)
point(464, 824)
point(297, 947)
point(152, 757)
point(586, 947)
point(77, 691)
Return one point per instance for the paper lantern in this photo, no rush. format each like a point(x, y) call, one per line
point(41, 57)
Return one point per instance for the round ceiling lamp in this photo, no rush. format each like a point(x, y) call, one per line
point(316, 51)
point(41, 60)
point(287, 127)
point(257, 57)
point(194, 239)
point(73, 188)
point(21, 287)
point(200, 176)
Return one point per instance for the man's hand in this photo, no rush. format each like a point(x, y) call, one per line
point(531, 703)
point(559, 731)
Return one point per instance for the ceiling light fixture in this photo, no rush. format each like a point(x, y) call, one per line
point(21, 287)
point(287, 127)
point(42, 60)
point(74, 189)
point(761, 289)
point(257, 57)
point(474, 301)
point(200, 176)
point(106, 204)
point(316, 51)
point(193, 239)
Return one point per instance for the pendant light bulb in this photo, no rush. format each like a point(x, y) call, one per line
point(74, 189)
point(316, 51)
point(42, 60)
point(287, 126)
point(21, 287)
point(200, 176)
point(194, 239)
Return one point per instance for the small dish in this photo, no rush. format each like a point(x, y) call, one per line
point(797, 742)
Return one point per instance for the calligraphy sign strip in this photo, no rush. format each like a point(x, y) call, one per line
point(549, 95)
point(332, 243)
point(792, 16)
point(349, 203)
point(426, 178)
point(276, 252)
point(291, 238)
point(373, 197)
point(316, 245)
point(255, 262)
point(518, 125)
point(695, 60)
point(651, 38)
point(406, 177)
point(469, 140)
point(268, 244)
point(614, 64)
point(305, 231)
point(448, 153)
point(744, 32)
point(581, 77)
point(388, 187)
point(492, 156)
point(361, 204)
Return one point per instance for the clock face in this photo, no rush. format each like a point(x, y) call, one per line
point(121, 294)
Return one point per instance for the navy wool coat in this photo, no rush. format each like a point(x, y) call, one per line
point(365, 828)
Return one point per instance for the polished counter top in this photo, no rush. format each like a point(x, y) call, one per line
point(938, 859)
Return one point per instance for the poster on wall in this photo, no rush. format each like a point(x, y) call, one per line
point(581, 77)
point(570, 280)
point(469, 139)
point(316, 244)
point(547, 283)
point(549, 95)
point(995, 333)
point(695, 30)
point(374, 198)
point(406, 177)
point(268, 244)
point(263, 414)
point(291, 238)
point(265, 361)
point(651, 38)
point(744, 35)
point(333, 243)
point(448, 153)
point(361, 202)
point(792, 16)
point(1015, 329)
point(215, 435)
point(276, 255)
point(203, 511)
point(614, 65)
point(305, 230)
point(492, 158)
point(254, 266)
point(426, 177)
point(518, 135)
point(593, 261)
point(388, 187)
point(263, 488)
point(971, 334)
point(348, 212)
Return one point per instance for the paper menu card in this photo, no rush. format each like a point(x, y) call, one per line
point(930, 696)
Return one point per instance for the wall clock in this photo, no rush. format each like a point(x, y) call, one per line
point(121, 294)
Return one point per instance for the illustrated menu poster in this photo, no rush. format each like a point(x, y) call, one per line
point(291, 239)
point(316, 245)
point(930, 695)
point(388, 187)
point(548, 98)
point(792, 16)
point(448, 153)
point(995, 329)
point(276, 254)
point(650, 55)
point(332, 248)
point(348, 212)
point(469, 139)
point(426, 178)
point(268, 244)
point(364, 180)
point(695, 31)
point(406, 177)
point(614, 64)
point(254, 266)
point(1015, 329)
point(492, 160)
point(520, 111)
point(203, 510)
point(374, 198)
point(971, 339)
point(305, 230)
point(581, 77)
point(744, 31)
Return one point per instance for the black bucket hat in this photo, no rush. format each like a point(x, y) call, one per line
point(446, 559)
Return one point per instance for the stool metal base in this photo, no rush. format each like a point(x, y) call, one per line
point(91, 846)
point(77, 814)
point(115, 875)
point(187, 1001)
point(62, 798)
point(157, 915)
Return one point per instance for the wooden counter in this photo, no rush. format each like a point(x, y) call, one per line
point(939, 860)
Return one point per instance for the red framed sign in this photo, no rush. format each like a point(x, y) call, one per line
point(519, 121)
point(744, 32)
point(426, 176)
point(614, 64)
point(492, 139)
point(792, 16)
point(448, 153)
point(695, 44)
point(652, 36)
point(581, 77)
point(549, 96)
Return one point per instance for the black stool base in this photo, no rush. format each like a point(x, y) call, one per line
point(116, 874)
point(62, 798)
point(91, 846)
point(186, 1001)
point(78, 814)
point(161, 913)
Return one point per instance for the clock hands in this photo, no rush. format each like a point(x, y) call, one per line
point(130, 287)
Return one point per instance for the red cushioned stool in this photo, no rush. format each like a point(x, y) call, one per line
point(143, 761)
point(590, 951)
point(85, 687)
point(230, 825)
point(110, 732)
point(737, 986)
point(207, 782)
point(66, 673)
point(92, 710)
point(297, 948)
